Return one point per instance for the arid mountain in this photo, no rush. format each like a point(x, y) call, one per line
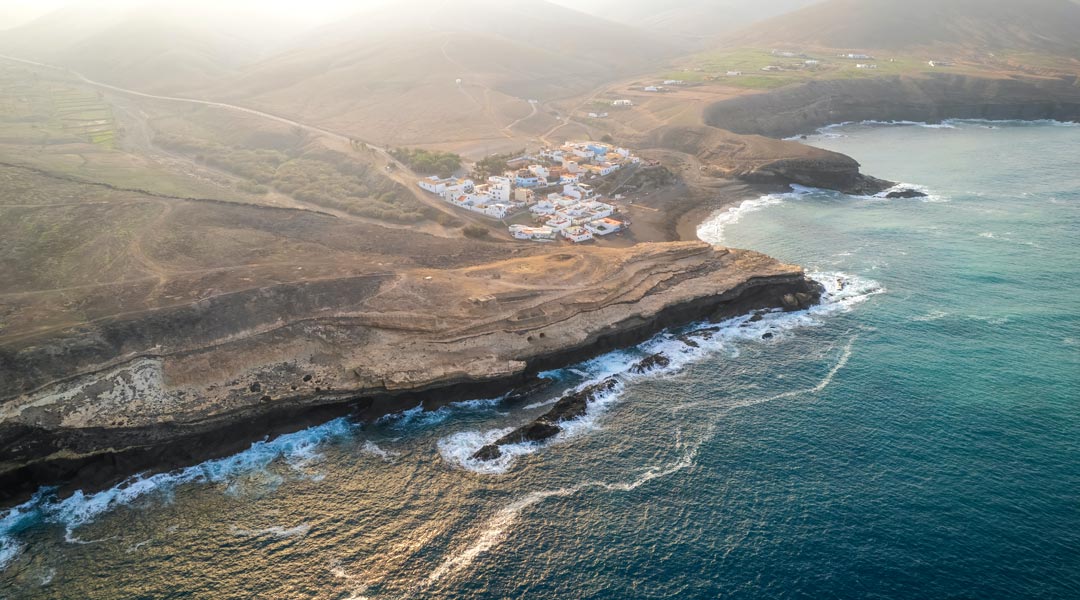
point(1048, 26)
point(151, 47)
point(459, 70)
point(408, 72)
point(690, 21)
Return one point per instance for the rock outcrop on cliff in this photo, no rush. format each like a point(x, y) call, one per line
point(756, 159)
point(802, 109)
point(115, 396)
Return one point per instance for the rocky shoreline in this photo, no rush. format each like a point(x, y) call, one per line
point(177, 403)
point(805, 108)
point(86, 407)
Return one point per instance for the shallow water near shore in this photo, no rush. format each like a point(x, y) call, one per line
point(917, 436)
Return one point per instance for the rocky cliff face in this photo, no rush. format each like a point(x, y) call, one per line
point(96, 403)
point(756, 159)
point(804, 108)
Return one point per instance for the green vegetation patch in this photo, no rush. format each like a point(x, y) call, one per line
point(428, 162)
point(495, 164)
point(750, 62)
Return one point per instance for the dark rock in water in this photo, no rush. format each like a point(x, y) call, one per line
point(798, 300)
point(537, 431)
point(569, 407)
point(906, 193)
point(689, 341)
point(527, 389)
point(573, 405)
point(489, 452)
point(705, 333)
point(651, 362)
point(767, 335)
point(757, 317)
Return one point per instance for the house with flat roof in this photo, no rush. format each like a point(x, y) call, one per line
point(577, 234)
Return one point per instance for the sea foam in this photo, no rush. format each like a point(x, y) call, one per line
point(842, 292)
point(296, 450)
point(712, 230)
point(497, 528)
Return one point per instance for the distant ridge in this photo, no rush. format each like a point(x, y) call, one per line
point(153, 48)
point(1051, 26)
point(698, 22)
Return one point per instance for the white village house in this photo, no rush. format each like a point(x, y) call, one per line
point(575, 211)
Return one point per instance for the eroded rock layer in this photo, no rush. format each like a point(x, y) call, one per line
point(98, 402)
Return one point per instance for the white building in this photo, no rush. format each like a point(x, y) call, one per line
point(604, 226)
point(543, 208)
point(622, 103)
point(577, 234)
point(537, 234)
point(734, 73)
point(540, 171)
point(558, 223)
point(651, 88)
point(436, 184)
point(457, 188)
point(500, 188)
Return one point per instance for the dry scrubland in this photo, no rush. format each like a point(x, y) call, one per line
point(212, 267)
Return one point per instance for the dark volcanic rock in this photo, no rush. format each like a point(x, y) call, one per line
point(799, 300)
point(800, 109)
point(569, 407)
point(704, 333)
point(906, 193)
point(489, 452)
point(649, 363)
point(524, 391)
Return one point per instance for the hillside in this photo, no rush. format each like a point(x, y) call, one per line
point(152, 48)
point(1044, 26)
point(691, 21)
point(362, 74)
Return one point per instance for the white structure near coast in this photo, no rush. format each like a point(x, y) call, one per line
point(569, 208)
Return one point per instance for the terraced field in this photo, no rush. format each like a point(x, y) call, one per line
point(36, 108)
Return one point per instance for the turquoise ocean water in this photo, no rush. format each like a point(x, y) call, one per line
point(917, 436)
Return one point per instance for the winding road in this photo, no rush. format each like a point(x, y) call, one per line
point(398, 171)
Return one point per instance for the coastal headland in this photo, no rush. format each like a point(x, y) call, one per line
point(229, 311)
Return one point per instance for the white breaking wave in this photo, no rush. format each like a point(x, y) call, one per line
point(934, 315)
point(712, 230)
point(374, 449)
point(458, 449)
point(831, 130)
point(497, 528)
point(928, 197)
point(419, 418)
point(834, 130)
point(275, 531)
point(842, 292)
point(1014, 122)
point(296, 450)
